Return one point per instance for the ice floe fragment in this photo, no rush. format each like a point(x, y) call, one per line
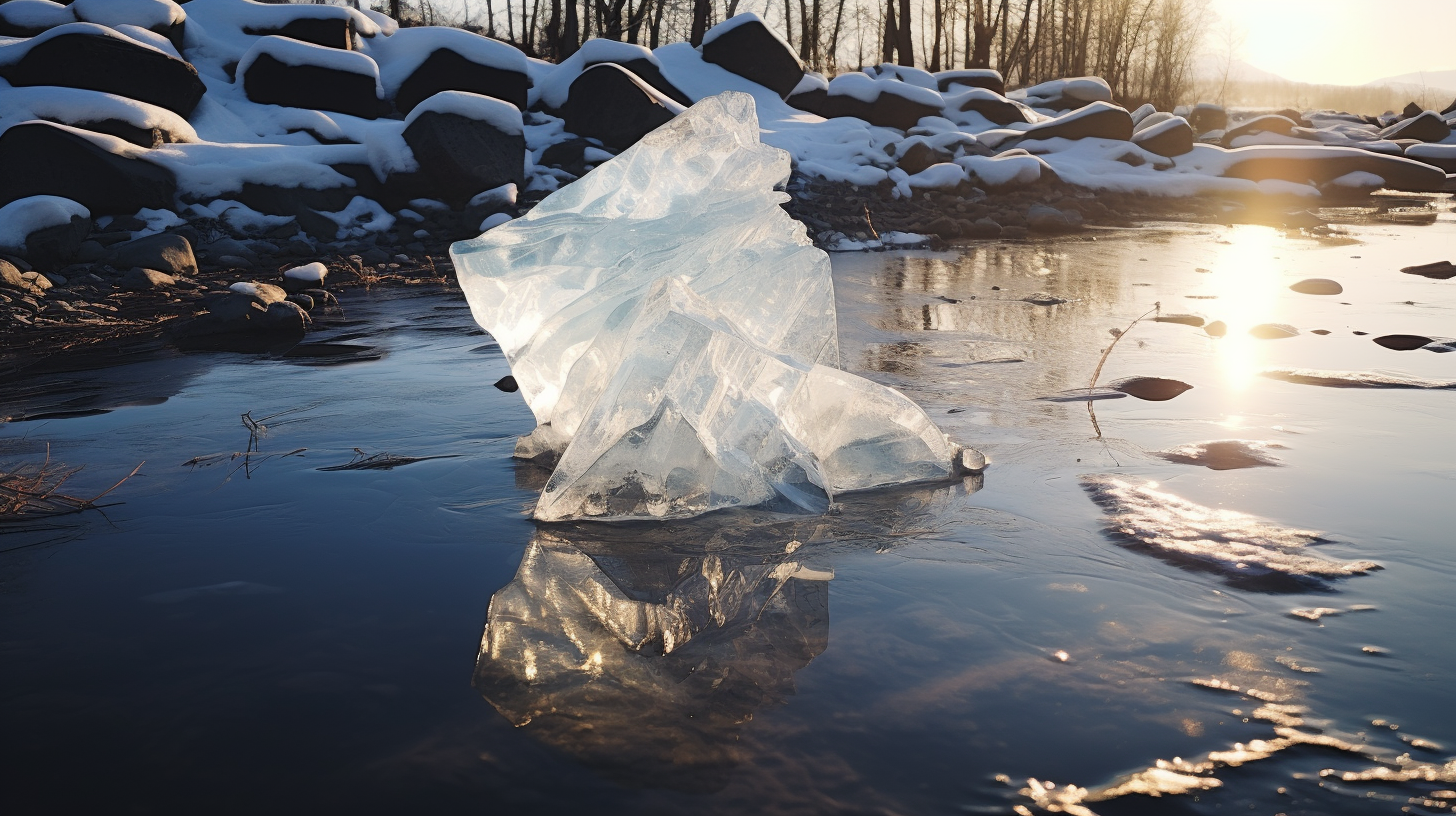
point(673, 331)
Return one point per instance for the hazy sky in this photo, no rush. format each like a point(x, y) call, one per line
point(1343, 42)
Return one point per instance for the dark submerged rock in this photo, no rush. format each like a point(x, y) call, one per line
point(1403, 342)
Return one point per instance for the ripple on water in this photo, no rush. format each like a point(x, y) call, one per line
point(1354, 379)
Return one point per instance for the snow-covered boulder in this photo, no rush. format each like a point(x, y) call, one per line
point(1323, 164)
point(1096, 120)
point(466, 143)
point(162, 17)
point(27, 18)
point(1065, 94)
point(1206, 117)
point(1268, 123)
point(996, 108)
point(103, 173)
point(883, 102)
point(417, 63)
point(611, 104)
point(1170, 137)
point(45, 230)
point(137, 122)
point(810, 93)
point(555, 87)
point(987, 78)
point(1426, 127)
point(1436, 155)
point(96, 58)
point(294, 74)
point(745, 45)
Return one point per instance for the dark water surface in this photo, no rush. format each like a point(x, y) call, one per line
point(260, 635)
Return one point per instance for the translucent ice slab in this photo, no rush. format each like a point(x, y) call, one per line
point(673, 330)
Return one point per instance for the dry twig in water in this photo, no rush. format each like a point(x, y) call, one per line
point(1107, 352)
point(32, 491)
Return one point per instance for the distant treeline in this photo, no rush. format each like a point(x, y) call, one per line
point(1304, 96)
point(1145, 49)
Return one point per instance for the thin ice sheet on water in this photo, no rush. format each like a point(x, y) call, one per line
point(1231, 541)
point(673, 331)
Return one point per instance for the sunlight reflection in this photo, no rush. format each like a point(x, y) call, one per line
point(1247, 284)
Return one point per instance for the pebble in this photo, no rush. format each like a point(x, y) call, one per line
point(1317, 286)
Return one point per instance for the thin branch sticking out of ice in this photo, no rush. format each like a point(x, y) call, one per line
point(673, 330)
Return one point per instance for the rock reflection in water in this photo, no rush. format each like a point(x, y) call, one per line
point(643, 650)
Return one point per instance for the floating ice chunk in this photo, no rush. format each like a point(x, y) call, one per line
point(673, 330)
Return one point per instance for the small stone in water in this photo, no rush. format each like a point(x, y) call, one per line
point(1185, 319)
point(1403, 342)
point(507, 384)
point(1153, 389)
point(1216, 329)
point(1318, 286)
point(1319, 331)
point(972, 460)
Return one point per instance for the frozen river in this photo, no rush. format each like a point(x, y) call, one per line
point(247, 635)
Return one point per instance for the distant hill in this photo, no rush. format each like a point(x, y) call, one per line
point(1428, 79)
point(1251, 86)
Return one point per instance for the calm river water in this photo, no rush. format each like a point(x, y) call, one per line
point(1086, 625)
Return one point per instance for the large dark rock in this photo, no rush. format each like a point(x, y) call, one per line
point(1206, 117)
point(1271, 123)
point(988, 78)
point(95, 62)
point(1170, 138)
point(1427, 127)
point(996, 108)
point(446, 70)
point(1301, 165)
point(1442, 156)
point(329, 32)
point(38, 158)
point(54, 247)
point(166, 253)
point(611, 104)
point(272, 82)
point(750, 50)
point(889, 108)
point(652, 75)
point(1098, 120)
point(464, 156)
point(810, 101)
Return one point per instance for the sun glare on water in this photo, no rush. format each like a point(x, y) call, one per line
point(1246, 282)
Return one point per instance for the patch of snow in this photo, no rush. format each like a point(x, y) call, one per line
point(739, 20)
point(147, 14)
point(867, 89)
point(917, 77)
point(308, 273)
point(151, 38)
point(74, 105)
point(245, 219)
point(402, 53)
point(208, 171)
point(36, 14)
point(502, 116)
point(21, 217)
point(556, 87)
point(13, 51)
point(361, 217)
point(497, 196)
point(494, 220)
point(156, 222)
point(812, 81)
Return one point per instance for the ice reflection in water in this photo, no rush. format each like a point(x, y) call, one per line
point(643, 650)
